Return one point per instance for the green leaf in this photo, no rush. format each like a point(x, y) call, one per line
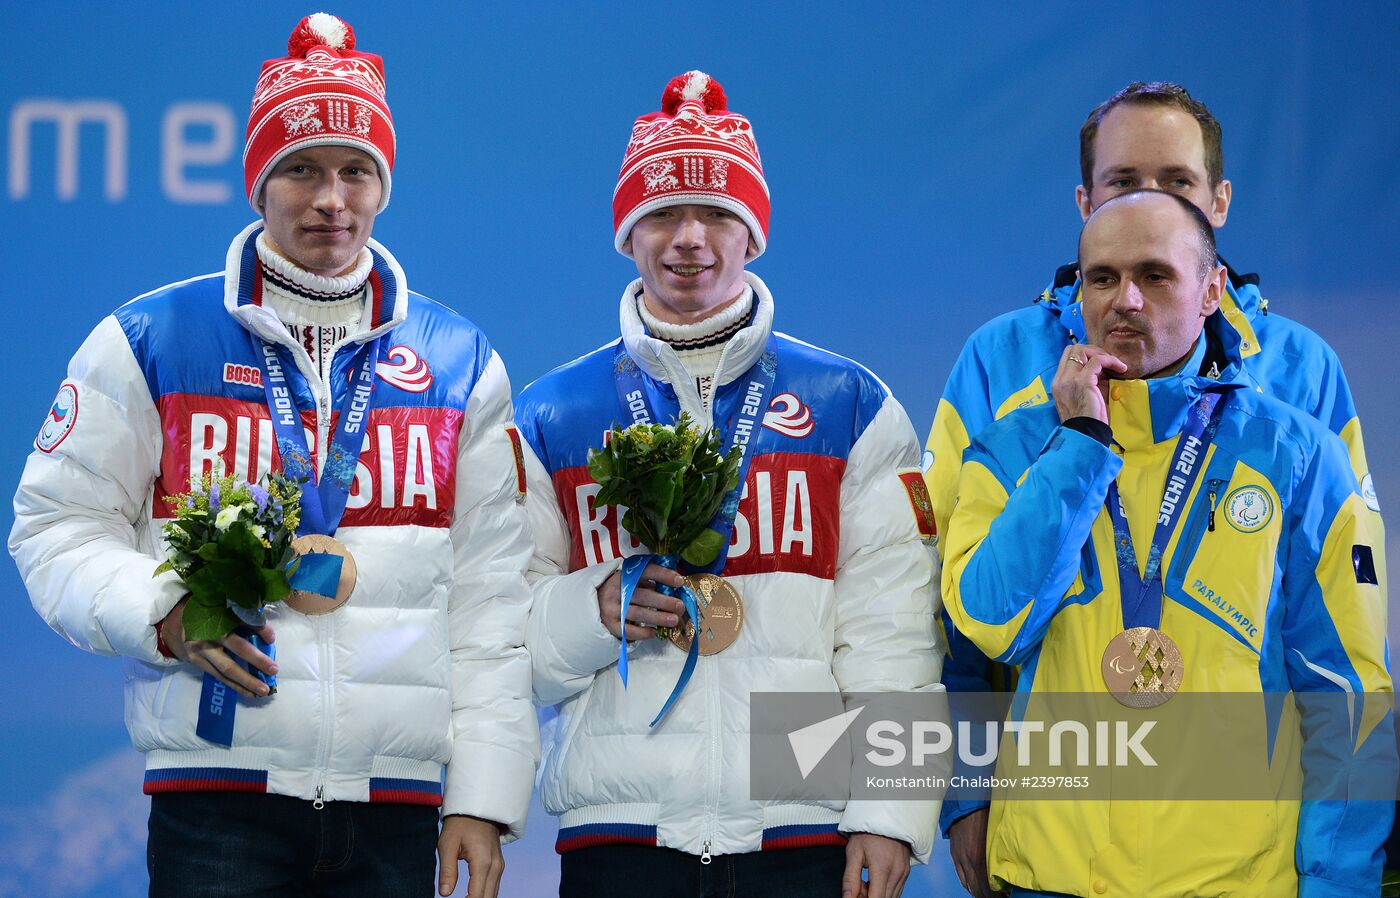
point(211, 622)
point(704, 548)
point(239, 541)
point(227, 581)
point(164, 567)
point(276, 585)
point(208, 551)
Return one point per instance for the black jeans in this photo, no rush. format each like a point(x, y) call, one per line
point(227, 844)
point(641, 871)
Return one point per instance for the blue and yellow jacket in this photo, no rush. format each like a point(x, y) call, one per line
point(1008, 363)
point(1271, 595)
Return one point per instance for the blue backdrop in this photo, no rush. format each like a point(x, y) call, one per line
point(922, 159)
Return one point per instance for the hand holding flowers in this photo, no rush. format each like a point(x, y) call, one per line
point(230, 543)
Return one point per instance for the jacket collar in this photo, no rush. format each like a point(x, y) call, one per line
point(660, 361)
point(388, 291)
point(1143, 413)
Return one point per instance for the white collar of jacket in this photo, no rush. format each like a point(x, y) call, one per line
point(659, 360)
point(388, 291)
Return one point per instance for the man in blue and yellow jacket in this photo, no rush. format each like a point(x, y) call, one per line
point(1147, 135)
point(1057, 528)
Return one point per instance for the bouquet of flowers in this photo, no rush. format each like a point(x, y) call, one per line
point(231, 544)
point(672, 480)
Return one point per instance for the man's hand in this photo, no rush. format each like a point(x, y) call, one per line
point(647, 606)
point(886, 859)
point(1080, 387)
point(214, 657)
point(476, 841)
point(967, 843)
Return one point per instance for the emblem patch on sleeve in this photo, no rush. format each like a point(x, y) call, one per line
point(514, 435)
point(919, 500)
point(58, 423)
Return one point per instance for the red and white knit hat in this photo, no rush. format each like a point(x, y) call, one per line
point(324, 92)
point(693, 151)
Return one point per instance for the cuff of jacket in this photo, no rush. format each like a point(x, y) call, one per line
point(572, 622)
point(1317, 887)
point(911, 822)
point(129, 621)
point(502, 796)
point(953, 811)
point(1091, 427)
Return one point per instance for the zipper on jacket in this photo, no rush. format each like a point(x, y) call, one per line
point(1213, 486)
point(716, 767)
point(326, 676)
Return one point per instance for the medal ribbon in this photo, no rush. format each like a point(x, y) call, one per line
point(632, 568)
point(1142, 593)
point(745, 429)
point(322, 500)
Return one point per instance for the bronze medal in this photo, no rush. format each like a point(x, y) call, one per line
point(1142, 667)
point(315, 603)
point(721, 615)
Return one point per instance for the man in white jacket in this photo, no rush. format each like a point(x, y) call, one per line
point(828, 554)
point(411, 697)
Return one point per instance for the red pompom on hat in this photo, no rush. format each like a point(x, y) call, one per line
point(694, 151)
point(323, 93)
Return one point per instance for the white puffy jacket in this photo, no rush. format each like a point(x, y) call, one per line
point(424, 668)
point(839, 589)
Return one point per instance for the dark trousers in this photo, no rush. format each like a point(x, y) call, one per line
point(641, 871)
point(227, 844)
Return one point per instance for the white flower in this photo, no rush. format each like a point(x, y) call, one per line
point(226, 516)
point(259, 531)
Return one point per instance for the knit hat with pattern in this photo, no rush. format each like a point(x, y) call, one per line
point(324, 92)
point(694, 151)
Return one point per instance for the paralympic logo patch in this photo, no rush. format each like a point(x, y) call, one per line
point(58, 423)
point(1249, 509)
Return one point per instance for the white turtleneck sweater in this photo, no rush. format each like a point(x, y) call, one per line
point(701, 345)
point(320, 313)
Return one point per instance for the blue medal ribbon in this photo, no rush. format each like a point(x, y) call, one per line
point(322, 499)
point(1141, 594)
point(637, 396)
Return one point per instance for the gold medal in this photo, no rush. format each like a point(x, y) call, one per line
point(315, 603)
point(1142, 667)
point(721, 615)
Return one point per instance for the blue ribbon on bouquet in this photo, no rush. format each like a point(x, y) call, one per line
point(635, 393)
point(632, 569)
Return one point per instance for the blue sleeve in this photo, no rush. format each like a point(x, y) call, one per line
point(1333, 632)
point(1014, 550)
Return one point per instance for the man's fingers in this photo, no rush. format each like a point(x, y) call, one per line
point(663, 575)
point(639, 634)
point(447, 851)
point(245, 650)
point(850, 881)
point(879, 879)
point(638, 613)
point(226, 669)
point(483, 874)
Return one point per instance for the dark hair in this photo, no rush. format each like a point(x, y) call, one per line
point(1204, 232)
point(1153, 93)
